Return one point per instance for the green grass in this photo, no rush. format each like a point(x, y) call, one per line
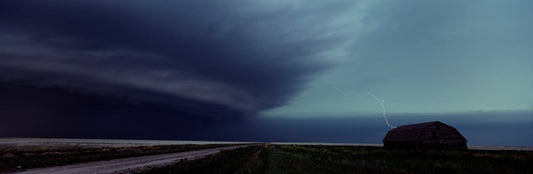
point(354, 159)
point(38, 156)
point(295, 159)
point(228, 161)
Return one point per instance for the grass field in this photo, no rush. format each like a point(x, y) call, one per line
point(224, 162)
point(291, 159)
point(14, 158)
point(356, 159)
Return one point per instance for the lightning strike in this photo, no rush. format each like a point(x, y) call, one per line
point(379, 100)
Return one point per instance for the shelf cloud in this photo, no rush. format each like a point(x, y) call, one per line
point(242, 55)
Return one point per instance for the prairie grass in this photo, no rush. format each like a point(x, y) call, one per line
point(11, 157)
point(357, 159)
point(228, 161)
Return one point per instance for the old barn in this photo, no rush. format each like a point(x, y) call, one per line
point(430, 135)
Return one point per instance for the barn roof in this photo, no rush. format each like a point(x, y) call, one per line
point(416, 126)
point(411, 132)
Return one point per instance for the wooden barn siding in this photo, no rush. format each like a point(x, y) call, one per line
point(443, 132)
point(435, 136)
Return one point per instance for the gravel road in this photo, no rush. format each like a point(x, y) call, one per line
point(122, 165)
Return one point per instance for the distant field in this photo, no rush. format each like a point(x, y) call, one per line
point(475, 147)
point(57, 142)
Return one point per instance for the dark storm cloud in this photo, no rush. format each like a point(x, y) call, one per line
point(32, 111)
point(240, 55)
point(158, 69)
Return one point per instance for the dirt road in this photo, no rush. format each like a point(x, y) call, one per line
point(122, 165)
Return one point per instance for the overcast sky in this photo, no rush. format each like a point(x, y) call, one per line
point(205, 64)
point(430, 57)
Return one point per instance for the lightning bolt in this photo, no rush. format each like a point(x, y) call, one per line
point(379, 100)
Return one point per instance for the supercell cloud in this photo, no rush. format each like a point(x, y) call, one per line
point(204, 61)
point(246, 56)
point(178, 69)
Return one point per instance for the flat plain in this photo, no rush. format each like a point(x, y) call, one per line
point(354, 159)
point(21, 154)
point(271, 157)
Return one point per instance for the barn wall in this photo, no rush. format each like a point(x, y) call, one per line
point(440, 132)
point(435, 136)
point(454, 144)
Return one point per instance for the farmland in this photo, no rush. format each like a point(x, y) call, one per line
point(223, 162)
point(357, 159)
point(281, 158)
point(13, 158)
point(353, 159)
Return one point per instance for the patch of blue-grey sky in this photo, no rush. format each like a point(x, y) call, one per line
point(431, 57)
